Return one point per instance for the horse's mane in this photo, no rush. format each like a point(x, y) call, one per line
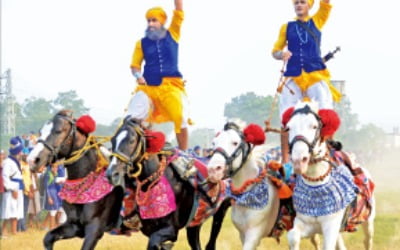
point(65, 112)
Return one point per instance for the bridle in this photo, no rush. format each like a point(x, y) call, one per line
point(55, 150)
point(306, 110)
point(244, 148)
point(135, 159)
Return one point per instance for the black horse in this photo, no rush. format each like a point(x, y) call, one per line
point(59, 139)
point(128, 145)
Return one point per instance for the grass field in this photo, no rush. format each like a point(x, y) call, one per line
point(387, 224)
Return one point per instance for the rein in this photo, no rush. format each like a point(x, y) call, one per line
point(55, 150)
point(306, 110)
point(134, 159)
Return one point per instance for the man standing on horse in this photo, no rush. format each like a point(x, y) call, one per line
point(160, 95)
point(306, 73)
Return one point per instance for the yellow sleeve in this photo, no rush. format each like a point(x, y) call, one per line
point(176, 23)
point(137, 57)
point(322, 14)
point(280, 44)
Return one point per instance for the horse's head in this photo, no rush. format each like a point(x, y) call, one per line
point(232, 147)
point(308, 129)
point(128, 146)
point(55, 140)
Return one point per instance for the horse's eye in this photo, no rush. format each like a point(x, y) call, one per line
point(315, 127)
point(131, 141)
point(235, 143)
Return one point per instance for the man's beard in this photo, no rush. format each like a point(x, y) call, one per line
point(155, 34)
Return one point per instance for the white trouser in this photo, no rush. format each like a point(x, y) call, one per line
point(141, 104)
point(318, 92)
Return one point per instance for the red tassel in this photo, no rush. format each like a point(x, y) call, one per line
point(287, 115)
point(155, 141)
point(330, 121)
point(86, 124)
point(254, 134)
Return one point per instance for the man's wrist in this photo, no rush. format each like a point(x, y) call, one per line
point(137, 75)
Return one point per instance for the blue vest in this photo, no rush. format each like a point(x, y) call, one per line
point(306, 53)
point(161, 59)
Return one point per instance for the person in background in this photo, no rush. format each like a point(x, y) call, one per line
point(34, 201)
point(197, 151)
point(53, 202)
point(2, 157)
point(13, 200)
point(28, 192)
point(61, 216)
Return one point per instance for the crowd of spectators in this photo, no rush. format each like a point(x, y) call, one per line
point(27, 199)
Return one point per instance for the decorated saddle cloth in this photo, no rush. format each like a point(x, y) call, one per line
point(360, 209)
point(85, 190)
point(336, 194)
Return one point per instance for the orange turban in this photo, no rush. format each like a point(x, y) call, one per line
point(157, 13)
point(310, 3)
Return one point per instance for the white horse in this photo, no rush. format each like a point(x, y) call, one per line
point(323, 191)
point(256, 205)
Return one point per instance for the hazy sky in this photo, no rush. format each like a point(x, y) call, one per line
point(86, 45)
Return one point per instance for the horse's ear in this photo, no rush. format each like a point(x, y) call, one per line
point(254, 134)
point(287, 115)
point(231, 125)
point(330, 122)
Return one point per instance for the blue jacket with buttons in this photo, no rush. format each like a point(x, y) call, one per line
point(161, 57)
point(306, 53)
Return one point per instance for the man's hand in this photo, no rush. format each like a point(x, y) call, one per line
point(141, 81)
point(14, 194)
point(50, 201)
point(286, 55)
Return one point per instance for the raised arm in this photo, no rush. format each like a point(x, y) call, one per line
point(178, 4)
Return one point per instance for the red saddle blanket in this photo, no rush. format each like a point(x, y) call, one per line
point(360, 209)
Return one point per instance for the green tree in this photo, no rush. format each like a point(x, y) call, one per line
point(253, 108)
point(70, 100)
point(34, 112)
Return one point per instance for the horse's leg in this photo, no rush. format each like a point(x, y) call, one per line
point(340, 243)
point(158, 239)
point(330, 226)
point(218, 218)
point(252, 238)
point(93, 233)
point(193, 236)
point(64, 231)
point(368, 229)
point(316, 241)
point(294, 234)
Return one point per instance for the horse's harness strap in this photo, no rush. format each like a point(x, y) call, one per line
point(240, 149)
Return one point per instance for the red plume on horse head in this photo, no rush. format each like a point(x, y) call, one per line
point(155, 141)
point(330, 121)
point(86, 124)
point(254, 134)
point(329, 118)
